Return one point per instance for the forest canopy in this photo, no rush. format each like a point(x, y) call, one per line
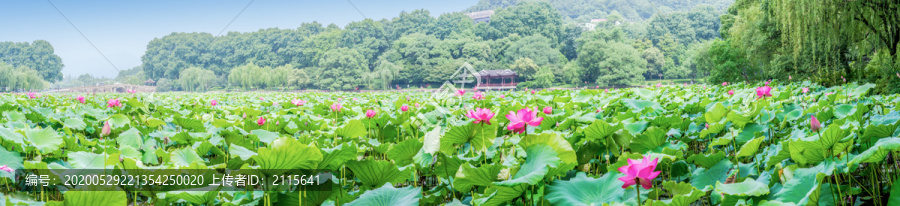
point(417, 49)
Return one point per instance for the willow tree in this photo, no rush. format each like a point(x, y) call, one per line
point(195, 79)
point(20, 78)
point(835, 33)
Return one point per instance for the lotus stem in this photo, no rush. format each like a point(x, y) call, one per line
point(637, 188)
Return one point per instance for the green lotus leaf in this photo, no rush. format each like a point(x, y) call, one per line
point(650, 140)
point(683, 194)
point(496, 195)
point(189, 123)
point(707, 160)
point(703, 177)
point(469, 176)
point(241, 152)
point(583, 190)
point(802, 188)
point(748, 187)
point(636, 127)
point(75, 123)
point(45, 140)
point(8, 135)
point(894, 199)
point(403, 153)
point(373, 173)
point(750, 148)
point(877, 152)
point(640, 105)
point(184, 157)
point(12, 160)
point(93, 195)
point(562, 147)
point(287, 153)
point(194, 197)
point(353, 129)
point(264, 136)
point(387, 195)
point(540, 157)
point(118, 121)
point(333, 158)
point(131, 138)
point(715, 113)
point(739, 120)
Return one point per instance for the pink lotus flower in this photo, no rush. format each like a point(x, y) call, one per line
point(762, 92)
point(814, 124)
point(261, 121)
point(597, 87)
point(842, 78)
point(898, 74)
point(658, 84)
point(213, 102)
point(354, 99)
point(478, 96)
point(261, 99)
point(519, 120)
point(404, 108)
point(460, 92)
point(805, 90)
point(106, 129)
point(548, 110)
point(80, 99)
point(417, 105)
point(532, 91)
point(605, 90)
point(298, 102)
point(132, 91)
point(336, 107)
point(829, 93)
point(685, 84)
point(340, 99)
point(639, 173)
point(790, 77)
point(245, 115)
point(502, 96)
point(730, 92)
point(370, 113)
point(113, 103)
point(6, 168)
point(277, 121)
point(31, 95)
point(481, 115)
point(724, 83)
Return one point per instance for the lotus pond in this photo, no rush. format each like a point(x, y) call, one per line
point(739, 144)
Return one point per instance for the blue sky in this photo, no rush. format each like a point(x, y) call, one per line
point(122, 29)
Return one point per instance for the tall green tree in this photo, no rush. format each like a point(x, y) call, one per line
point(20, 78)
point(37, 55)
point(611, 63)
point(340, 69)
point(196, 79)
point(529, 18)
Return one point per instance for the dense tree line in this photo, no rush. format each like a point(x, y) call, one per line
point(21, 62)
point(585, 10)
point(824, 41)
point(20, 78)
point(416, 49)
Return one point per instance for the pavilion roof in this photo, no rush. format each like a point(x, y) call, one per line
point(497, 73)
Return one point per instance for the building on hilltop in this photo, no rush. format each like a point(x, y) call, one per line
point(481, 16)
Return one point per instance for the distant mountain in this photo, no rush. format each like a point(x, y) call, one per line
point(585, 10)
